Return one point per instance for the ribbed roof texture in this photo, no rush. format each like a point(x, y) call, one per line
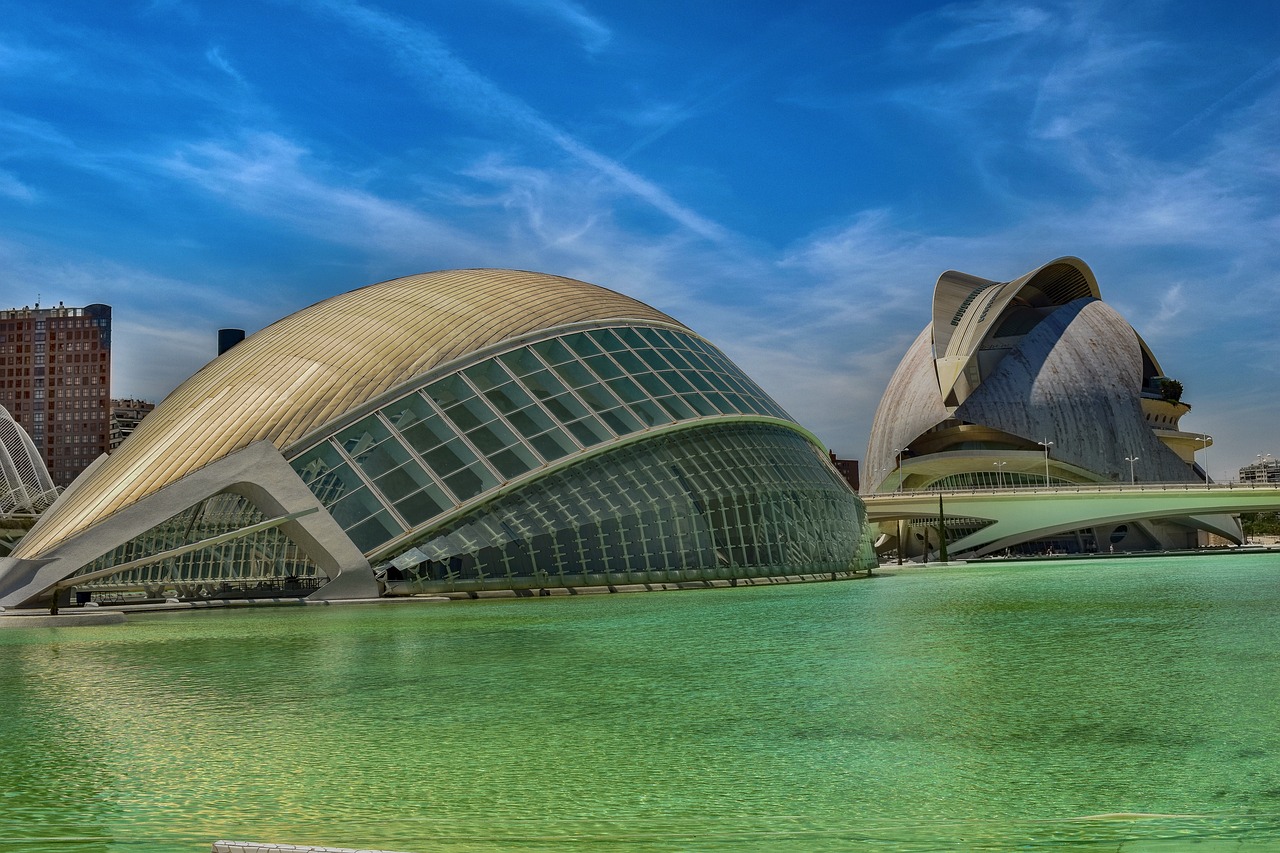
point(314, 366)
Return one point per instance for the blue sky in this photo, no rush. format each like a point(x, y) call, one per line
point(787, 179)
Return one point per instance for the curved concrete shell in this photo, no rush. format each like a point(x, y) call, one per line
point(394, 434)
point(1031, 382)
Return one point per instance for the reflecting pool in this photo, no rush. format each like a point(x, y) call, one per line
point(1122, 704)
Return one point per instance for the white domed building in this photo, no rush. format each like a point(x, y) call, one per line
point(1034, 382)
point(452, 432)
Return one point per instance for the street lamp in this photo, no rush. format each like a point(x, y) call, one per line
point(1046, 444)
point(1206, 441)
point(1000, 473)
point(1131, 460)
point(897, 452)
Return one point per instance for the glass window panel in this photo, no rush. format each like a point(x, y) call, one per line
point(697, 380)
point(730, 404)
point(651, 413)
point(589, 431)
point(382, 458)
point(575, 374)
point(374, 531)
point(317, 462)
point(698, 360)
point(491, 438)
point(654, 359)
point(553, 351)
point(488, 374)
point(719, 382)
point(676, 340)
point(395, 485)
point(354, 507)
point(631, 337)
point(651, 337)
point(677, 382)
point(470, 414)
point(603, 366)
point(552, 445)
point(676, 407)
point(449, 457)
point(522, 362)
point(469, 482)
point(651, 383)
point(508, 398)
point(428, 434)
point(597, 397)
point(700, 405)
point(405, 413)
point(565, 407)
point(631, 363)
point(581, 344)
point(677, 359)
point(531, 421)
point(361, 435)
point(423, 505)
point(543, 384)
point(449, 391)
point(627, 390)
point(620, 421)
point(514, 461)
point(607, 340)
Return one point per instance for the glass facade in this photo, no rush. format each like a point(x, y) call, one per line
point(698, 500)
point(264, 561)
point(713, 502)
point(466, 434)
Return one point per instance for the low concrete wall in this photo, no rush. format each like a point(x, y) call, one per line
point(252, 847)
point(62, 620)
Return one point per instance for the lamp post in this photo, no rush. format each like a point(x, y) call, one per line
point(1131, 460)
point(1000, 473)
point(1046, 444)
point(897, 453)
point(1206, 441)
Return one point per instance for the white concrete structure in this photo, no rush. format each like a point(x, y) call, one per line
point(1035, 381)
point(463, 431)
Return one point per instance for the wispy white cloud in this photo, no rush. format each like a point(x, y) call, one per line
point(274, 177)
point(592, 32)
point(215, 58)
point(964, 25)
point(442, 75)
point(13, 188)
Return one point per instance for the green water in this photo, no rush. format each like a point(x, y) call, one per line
point(985, 707)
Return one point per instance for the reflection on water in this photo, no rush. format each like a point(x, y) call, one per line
point(1126, 704)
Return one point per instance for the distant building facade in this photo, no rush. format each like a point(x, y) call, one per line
point(55, 379)
point(848, 469)
point(125, 417)
point(1265, 470)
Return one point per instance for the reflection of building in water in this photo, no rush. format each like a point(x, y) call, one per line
point(1034, 382)
point(125, 417)
point(457, 432)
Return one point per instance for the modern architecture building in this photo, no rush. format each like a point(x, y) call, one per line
point(1033, 382)
point(458, 431)
point(125, 417)
point(55, 379)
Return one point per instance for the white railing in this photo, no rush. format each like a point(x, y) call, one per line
point(1077, 488)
